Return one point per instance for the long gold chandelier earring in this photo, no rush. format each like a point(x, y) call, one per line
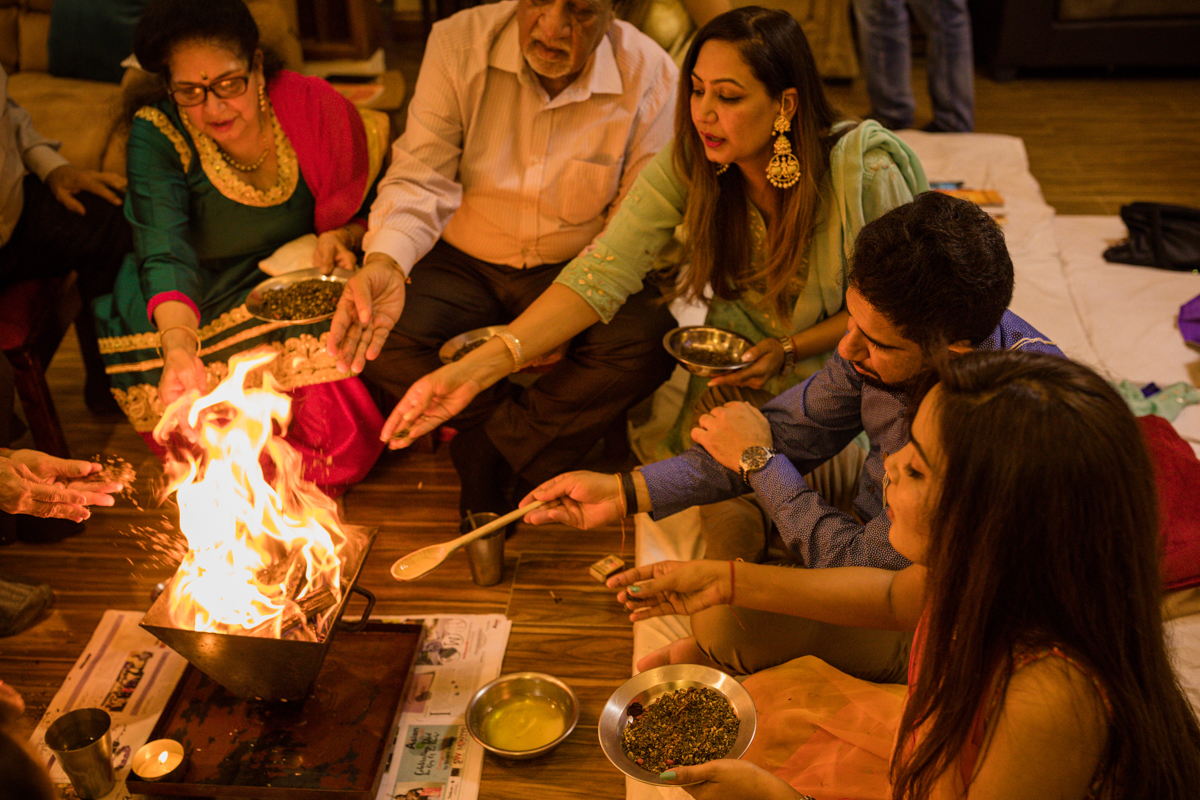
point(784, 170)
point(262, 98)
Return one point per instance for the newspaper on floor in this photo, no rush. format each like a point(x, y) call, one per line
point(125, 670)
point(130, 674)
point(434, 755)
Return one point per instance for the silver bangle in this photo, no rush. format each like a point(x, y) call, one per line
point(789, 353)
point(514, 348)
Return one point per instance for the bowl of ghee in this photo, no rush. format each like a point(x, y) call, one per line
point(522, 715)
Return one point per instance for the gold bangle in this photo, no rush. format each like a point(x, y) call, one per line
point(187, 328)
point(514, 348)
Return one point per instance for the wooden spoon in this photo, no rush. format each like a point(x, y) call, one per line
point(420, 562)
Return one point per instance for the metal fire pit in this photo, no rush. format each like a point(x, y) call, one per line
point(262, 668)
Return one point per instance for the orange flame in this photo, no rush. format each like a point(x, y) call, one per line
point(255, 548)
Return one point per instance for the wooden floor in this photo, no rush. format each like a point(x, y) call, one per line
point(1093, 144)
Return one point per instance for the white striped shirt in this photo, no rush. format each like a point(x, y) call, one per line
point(489, 162)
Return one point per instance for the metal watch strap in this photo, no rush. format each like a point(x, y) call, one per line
point(789, 353)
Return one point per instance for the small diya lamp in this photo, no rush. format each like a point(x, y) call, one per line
point(159, 760)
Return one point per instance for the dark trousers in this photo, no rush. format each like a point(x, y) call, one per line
point(50, 241)
point(549, 427)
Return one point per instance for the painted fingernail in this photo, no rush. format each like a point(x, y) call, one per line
point(669, 775)
point(635, 589)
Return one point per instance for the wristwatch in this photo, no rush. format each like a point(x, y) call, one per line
point(754, 459)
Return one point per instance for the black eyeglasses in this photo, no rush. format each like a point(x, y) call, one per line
point(226, 88)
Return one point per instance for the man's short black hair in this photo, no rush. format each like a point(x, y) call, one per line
point(936, 268)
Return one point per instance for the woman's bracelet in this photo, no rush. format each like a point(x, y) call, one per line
point(514, 348)
point(630, 493)
point(195, 334)
point(789, 353)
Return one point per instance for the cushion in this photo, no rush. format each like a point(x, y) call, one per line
point(34, 30)
point(8, 39)
point(80, 114)
point(1177, 474)
point(90, 38)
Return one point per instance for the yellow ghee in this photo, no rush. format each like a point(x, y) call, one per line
point(523, 723)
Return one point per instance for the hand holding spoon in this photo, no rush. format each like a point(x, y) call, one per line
point(425, 560)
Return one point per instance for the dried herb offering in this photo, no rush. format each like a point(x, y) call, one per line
point(304, 300)
point(681, 728)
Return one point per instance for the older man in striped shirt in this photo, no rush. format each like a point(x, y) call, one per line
point(529, 122)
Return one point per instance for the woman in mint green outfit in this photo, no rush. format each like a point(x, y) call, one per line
point(770, 189)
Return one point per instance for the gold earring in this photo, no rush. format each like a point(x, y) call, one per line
point(784, 169)
point(721, 169)
point(262, 98)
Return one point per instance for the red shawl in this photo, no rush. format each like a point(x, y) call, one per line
point(327, 133)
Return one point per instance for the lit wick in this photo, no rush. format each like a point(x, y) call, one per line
point(159, 759)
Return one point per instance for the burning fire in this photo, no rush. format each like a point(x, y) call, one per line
point(262, 558)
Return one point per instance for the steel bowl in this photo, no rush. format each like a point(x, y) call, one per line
point(652, 684)
point(521, 684)
point(254, 300)
point(707, 351)
point(460, 345)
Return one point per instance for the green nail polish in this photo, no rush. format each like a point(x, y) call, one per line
point(635, 589)
point(669, 775)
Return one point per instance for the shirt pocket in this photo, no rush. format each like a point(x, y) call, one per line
point(585, 191)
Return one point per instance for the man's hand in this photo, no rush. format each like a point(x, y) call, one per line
point(726, 432)
point(672, 587)
point(731, 779)
point(765, 359)
point(589, 500)
point(370, 306)
point(69, 180)
point(32, 482)
point(335, 250)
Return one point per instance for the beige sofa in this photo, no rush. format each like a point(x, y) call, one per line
point(83, 114)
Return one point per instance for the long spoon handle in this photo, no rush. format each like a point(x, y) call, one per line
point(494, 525)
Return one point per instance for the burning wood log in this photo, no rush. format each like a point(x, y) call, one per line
point(306, 608)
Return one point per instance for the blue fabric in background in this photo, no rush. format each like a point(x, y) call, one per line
point(90, 38)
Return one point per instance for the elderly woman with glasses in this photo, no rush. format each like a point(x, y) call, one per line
point(228, 160)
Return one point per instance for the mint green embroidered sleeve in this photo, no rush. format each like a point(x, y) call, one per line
point(612, 269)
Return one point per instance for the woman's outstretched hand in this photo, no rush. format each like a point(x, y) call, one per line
point(672, 587)
point(765, 360)
point(589, 500)
point(730, 779)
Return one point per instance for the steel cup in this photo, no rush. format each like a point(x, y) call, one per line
point(486, 554)
point(82, 741)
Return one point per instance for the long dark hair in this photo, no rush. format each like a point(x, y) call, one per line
point(1045, 533)
point(773, 45)
point(167, 24)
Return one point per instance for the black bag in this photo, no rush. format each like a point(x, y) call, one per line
point(1160, 235)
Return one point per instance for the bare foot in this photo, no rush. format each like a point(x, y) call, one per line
point(680, 651)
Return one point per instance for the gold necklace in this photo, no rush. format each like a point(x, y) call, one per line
point(239, 166)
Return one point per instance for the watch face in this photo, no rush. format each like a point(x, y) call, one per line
point(755, 458)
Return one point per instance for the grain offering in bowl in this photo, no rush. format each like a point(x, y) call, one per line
point(307, 299)
point(681, 728)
